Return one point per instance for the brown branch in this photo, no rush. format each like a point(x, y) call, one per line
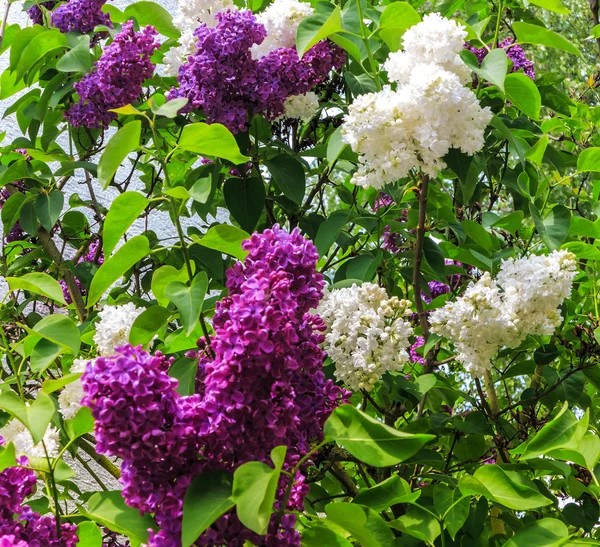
point(594, 6)
point(344, 479)
point(4, 21)
point(54, 254)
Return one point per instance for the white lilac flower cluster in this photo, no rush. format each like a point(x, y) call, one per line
point(69, 400)
point(190, 15)
point(524, 299)
point(281, 21)
point(14, 431)
point(113, 328)
point(301, 107)
point(429, 112)
point(366, 333)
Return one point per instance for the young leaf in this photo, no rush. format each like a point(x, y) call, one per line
point(207, 498)
point(123, 142)
point(371, 441)
point(147, 324)
point(89, 534)
point(188, 299)
point(126, 257)
point(211, 140)
point(254, 488)
point(226, 239)
point(124, 210)
point(38, 283)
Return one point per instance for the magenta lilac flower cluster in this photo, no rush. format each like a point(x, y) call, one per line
point(81, 16)
point(117, 79)
point(20, 526)
point(513, 51)
point(229, 86)
point(260, 385)
point(94, 255)
point(35, 12)
point(392, 241)
point(415, 357)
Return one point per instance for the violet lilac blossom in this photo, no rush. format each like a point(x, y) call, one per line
point(117, 77)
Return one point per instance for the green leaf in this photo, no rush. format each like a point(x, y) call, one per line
point(387, 493)
point(48, 208)
point(162, 277)
point(511, 222)
point(36, 417)
point(395, 20)
point(43, 355)
point(124, 210)
point(330, 229)
point(245, 199)
point(207, 498)
point(541, 533)
point(188, 299)
point(509, 488)
point(7, 456)
point(211, 140)
point(493, 67)
point(225, 239)
point(589, 160)
point(434, 256)
point(524, 94)
point(59, 329)
point(122, 143)
point(50, 386)
point(288, 174)
point(81, 424)
point(150, 13)
point(170, 109)
point(365, 525)
point(89, 535)
point(420, 524)
point(371, 441)
point(125, 258)
point(108, 509)
point(11, 210)
point(254, 488)
point(534, 34)
point(563, 431)
point(554, 229)
point(584, 515)
point(77, 59)
point(536, 153)
point(37, 283)
point(49, 41)
point(580, 227)
point(147, 324)
point(184, 370)
point(551, 5)
point(321, 536)
point(317, 27)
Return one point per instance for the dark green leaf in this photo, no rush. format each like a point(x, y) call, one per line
point(245, 199)
point(48, 208)
point(147, 324)
point(288, 174)
point(207, 498)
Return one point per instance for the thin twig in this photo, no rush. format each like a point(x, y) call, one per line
point(4, 21)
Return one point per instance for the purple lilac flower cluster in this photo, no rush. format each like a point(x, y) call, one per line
point(94, 255)
point(117, 79)
point(415, 357)
point(261, 385)
point(392, 241)
point(513, 51)
point(35, 12)
point(81, 16)
point(229, 86)
point(20, 526)
point(16, 233)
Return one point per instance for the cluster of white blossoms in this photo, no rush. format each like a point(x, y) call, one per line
point(69, 400)
point(113, 328)
point(366, 333)
point(281, 21)
point(524, 299)
point(431, 110)
point(14, 431)
point(190, 15)
point(301, 107)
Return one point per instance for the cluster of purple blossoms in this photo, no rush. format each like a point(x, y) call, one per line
point(20, 526)
point(513, 51)
point(117, 79)
point(94, 255)
point(392, 241)
point(415, 357)
point(229, 86)
point(81, 16)
point(260, 385)
point(35, 12)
